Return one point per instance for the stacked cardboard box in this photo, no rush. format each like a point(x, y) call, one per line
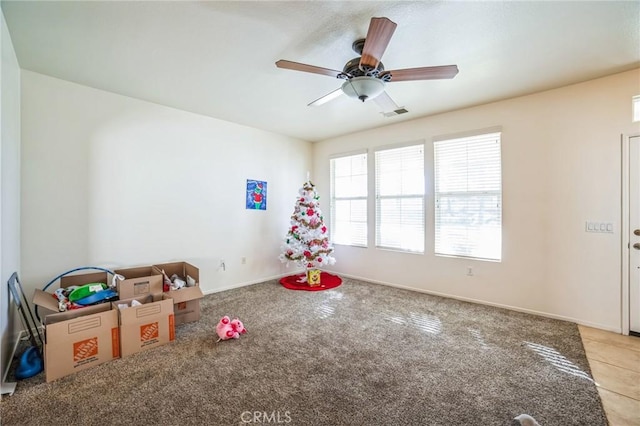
point(186, 301)
point(79, 339)
point(138, 282)
point(145, 326)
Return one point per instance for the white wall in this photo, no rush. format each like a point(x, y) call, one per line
point(561, 159)
point(113, 181)
point(10, 183)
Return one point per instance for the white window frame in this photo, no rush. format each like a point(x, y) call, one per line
point(416, 244)
point(334, 200)
point(467, 246)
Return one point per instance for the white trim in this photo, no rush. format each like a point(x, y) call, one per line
point(625, 232)
point(8, 388)
point(252, 282)
point(13, 354)
point(433, 293)
point(624, 240)
point(348, 154)
point(467, 134)
point(482, 302)
point(399, 145)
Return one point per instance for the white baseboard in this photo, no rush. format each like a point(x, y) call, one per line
point(256, 281)
point(8, 388)
point(433, 293)
point(21, 335)
point(484, 302)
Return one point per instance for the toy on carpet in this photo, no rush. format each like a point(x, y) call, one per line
point(229, 328)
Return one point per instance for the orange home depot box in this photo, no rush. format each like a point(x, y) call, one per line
point(80, 343)
point(80, 338)
point(138, 282)
point(186, 300)
point(145, 326)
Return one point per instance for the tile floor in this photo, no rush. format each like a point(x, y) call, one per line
point(615, 364)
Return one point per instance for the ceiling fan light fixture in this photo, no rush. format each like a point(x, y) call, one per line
point(363, 88)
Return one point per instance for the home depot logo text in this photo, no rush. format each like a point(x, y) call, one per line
point(85, 349)
point(149, 332)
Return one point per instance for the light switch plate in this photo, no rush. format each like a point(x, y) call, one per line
point(601, 227)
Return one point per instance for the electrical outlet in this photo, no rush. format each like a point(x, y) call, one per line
point(223, 266)
point(469, 271)
point(243, 260)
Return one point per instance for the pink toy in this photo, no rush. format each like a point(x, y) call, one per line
point(229, 329)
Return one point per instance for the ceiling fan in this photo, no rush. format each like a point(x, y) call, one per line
point(365, 76)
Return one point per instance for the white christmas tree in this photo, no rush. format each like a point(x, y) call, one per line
point(307, 242)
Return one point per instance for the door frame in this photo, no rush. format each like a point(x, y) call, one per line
point(624, 231)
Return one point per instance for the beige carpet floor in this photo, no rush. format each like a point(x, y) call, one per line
point(360, 354)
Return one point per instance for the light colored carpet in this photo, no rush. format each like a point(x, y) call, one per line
point(360, 354)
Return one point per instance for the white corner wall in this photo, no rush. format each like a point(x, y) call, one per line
point(561, 159)
point(113, 181)
point(10, 183)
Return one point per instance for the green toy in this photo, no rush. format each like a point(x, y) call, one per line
point(86, 290)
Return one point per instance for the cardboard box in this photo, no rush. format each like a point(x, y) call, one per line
point(78, 339)
point(185, 310)
point(186, 300)
point(146, 326)
point(80, 343)
point(138, 282)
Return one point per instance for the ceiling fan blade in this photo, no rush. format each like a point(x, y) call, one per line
point(376, 42)
point(326, 98)
point(297, 66)
point(388, 106)
point(424, 73)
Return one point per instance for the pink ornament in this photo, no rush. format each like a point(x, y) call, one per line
point(310, 212)
point(324, 229)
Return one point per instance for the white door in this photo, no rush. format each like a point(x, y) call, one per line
point(634, 238)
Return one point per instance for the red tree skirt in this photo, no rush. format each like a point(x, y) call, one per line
point(327, 281)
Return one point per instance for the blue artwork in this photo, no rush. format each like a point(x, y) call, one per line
point(256, 196)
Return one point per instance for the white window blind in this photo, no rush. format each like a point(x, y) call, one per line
point(468, 197)
point(400, 198)
point(349, 200)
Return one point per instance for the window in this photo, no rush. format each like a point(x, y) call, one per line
point(349, 200)
point(636, 108)
point(468, 197)
point(400, 198)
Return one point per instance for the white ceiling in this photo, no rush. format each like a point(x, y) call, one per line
point(217, 58)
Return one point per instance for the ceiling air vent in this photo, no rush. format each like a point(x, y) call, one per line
point(395, 112)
